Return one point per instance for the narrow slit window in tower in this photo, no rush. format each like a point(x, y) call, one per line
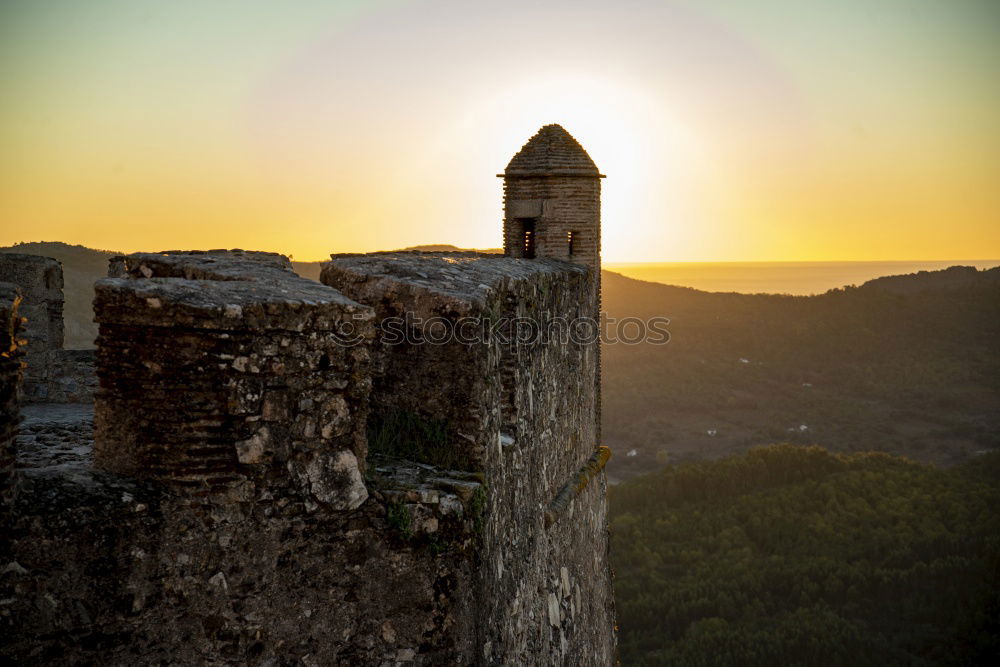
point(569, 242)
point(528, 238)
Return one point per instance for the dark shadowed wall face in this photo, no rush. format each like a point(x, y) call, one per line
point(10, 380)
point(524, 416)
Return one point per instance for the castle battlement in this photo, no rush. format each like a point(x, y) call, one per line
point(224, 372)
point(397, 465)
point(40, 281)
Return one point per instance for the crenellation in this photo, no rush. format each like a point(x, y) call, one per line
point(11, 373)
point(40, 282)
point(250, 370)
point(53, 374)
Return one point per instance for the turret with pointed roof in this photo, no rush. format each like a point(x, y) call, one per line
point(552, 200)
point(551, 152)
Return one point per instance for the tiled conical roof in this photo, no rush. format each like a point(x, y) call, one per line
point(552, 151)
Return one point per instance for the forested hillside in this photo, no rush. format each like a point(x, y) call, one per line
point(795, 556)
point(908, 365)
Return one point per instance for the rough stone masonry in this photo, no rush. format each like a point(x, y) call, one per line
point(277, 479)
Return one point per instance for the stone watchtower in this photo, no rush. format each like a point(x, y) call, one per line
point(552, 200)
point(552, 208)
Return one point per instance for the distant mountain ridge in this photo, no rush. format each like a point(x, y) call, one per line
point(952, 277)
point(908, 365)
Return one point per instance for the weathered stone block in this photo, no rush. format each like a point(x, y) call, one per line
point(120, 572)
point(198, 356)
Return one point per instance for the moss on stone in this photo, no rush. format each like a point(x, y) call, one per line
point(404, 434)
point(477, 509)
point(398, 518)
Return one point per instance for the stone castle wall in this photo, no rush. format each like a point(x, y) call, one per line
point(555, 577)
point(115, 571)
point(523, 415)
point(72, 376)
point(401, 465)
point(259, 546)
point(220, 524)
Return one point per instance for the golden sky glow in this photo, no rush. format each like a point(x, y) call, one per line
point(729, 130)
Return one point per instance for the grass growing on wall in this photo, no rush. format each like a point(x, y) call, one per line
point(406, 435)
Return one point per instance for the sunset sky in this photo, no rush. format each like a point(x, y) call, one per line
point(729, 130)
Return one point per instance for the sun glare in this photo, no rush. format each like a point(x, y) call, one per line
point(630, 136)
